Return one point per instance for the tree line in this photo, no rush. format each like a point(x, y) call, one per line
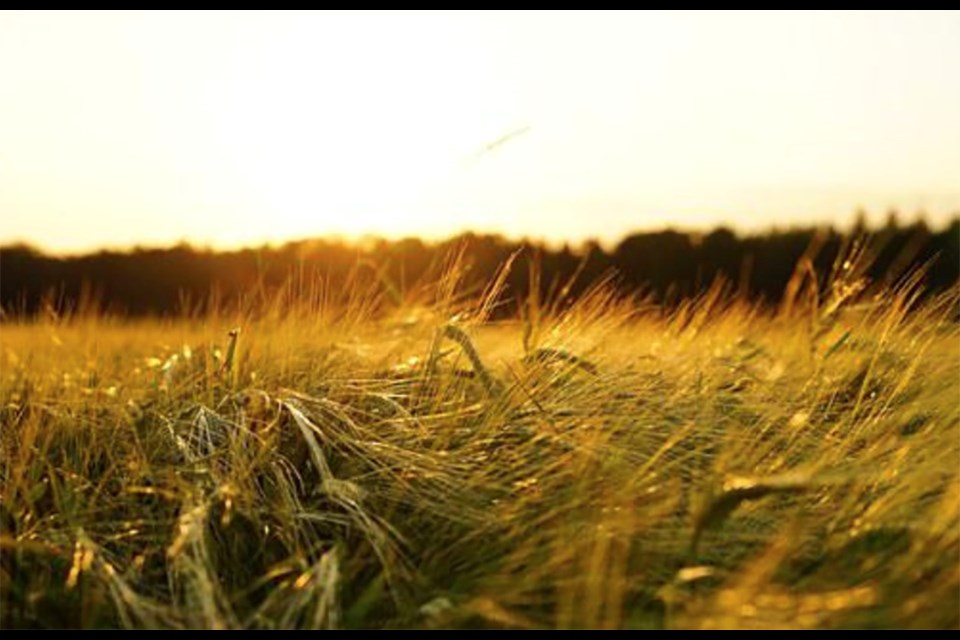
point(667, 266)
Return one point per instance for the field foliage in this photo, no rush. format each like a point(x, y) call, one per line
point(372, 457)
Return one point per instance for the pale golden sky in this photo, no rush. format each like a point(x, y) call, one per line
point(237, 128)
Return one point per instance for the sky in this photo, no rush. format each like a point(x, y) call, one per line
point(230, 129)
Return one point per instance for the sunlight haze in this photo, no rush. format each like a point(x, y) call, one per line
point(241, 128)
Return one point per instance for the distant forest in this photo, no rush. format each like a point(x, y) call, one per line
point(667, 266)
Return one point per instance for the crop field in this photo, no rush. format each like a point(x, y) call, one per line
point(440, 458)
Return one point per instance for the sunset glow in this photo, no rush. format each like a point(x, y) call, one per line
point(230, 129)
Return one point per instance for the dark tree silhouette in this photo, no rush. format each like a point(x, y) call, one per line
point(667, 265)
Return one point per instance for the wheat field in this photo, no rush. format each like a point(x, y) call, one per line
point(368, 458)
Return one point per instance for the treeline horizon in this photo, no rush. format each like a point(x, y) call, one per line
point(666, 266)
